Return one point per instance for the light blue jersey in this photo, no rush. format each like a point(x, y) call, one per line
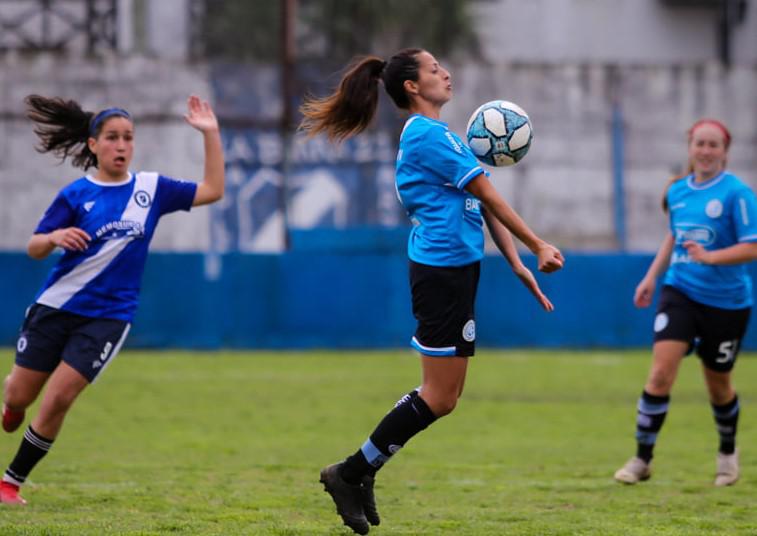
point(103, 281)
point(433, 168)
point(717, 214)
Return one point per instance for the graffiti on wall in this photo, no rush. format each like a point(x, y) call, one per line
point(320, 185)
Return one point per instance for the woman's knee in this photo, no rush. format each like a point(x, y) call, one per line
point(444, 405)
point(16, 395)
point(720, 389)
point(58, 401)
point(660, 381)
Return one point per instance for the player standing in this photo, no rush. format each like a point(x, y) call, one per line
point(447, 196)
point(104, 223)
point(706, 296)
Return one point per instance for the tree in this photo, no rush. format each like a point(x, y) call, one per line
point(335, 30)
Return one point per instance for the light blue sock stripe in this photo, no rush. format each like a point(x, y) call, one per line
point(372, 454)
point(652, 409)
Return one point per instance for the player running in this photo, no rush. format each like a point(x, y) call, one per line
point(104, 223)
point(706, 296)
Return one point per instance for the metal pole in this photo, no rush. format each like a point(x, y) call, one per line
point(288, 21)
point(618, 142)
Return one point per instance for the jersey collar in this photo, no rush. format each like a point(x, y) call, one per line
point(706, 184)
point(427, 118)
point(127, 180)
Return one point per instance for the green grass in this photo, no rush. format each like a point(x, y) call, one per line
point(231, 443)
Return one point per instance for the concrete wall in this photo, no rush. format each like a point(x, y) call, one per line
point(630, 32)
point(565, 61)
point(564, 186)
point(153, 90)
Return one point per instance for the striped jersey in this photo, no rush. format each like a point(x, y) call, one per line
point(104, 280)
point(717, 213)
point(433, 168)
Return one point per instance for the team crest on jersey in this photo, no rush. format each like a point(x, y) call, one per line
point(469, 331)
point(142, 198)
point(714, 208)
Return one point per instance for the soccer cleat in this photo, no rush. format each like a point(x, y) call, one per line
point(369, 500)
point(9, 494)
point(347, 497)
point(728, 469)
point(12, 419)
point(635, 470)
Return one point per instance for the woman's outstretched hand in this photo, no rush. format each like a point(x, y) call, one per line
point(200, 115)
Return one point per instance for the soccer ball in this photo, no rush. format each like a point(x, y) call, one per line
point(499, 133)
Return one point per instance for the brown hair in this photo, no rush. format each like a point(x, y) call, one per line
point(351, 108)
point(63, 127)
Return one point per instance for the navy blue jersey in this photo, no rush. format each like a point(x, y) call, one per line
point(717, 214)
point(103, 281)
point(433, 168)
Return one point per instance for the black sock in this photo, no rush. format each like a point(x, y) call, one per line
point(649, 418)
point(408, 417)
point(33, 448)
point(726, 419)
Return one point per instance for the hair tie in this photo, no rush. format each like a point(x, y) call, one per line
point(378, 68)
point(105, 114)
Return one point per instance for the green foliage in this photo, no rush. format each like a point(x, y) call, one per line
point(337, 29)
point(240, 30)
point(171, 443)
point(349, 27)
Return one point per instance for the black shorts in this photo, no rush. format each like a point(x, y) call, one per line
point(443, 304)
point(49, 336)
point(715, 333)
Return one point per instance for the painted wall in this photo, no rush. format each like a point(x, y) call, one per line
point(348, 298)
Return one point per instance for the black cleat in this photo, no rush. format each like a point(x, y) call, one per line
point(369, 500)
point(347, 497)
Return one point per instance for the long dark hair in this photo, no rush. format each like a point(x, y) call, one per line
point(63, 128)
point(351, 108)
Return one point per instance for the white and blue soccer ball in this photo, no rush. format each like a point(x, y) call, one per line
point(499, 133)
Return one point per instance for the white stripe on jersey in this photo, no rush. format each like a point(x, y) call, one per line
point(744, 211)
point(64, 288)
point(407, 124)
point(477, 170)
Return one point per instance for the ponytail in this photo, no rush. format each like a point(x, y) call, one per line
point(63, 127)
point(351, 108)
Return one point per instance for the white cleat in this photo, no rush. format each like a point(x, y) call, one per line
point(728, 469)
point(635, 470)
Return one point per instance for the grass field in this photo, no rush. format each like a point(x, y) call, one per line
point(232, 443)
